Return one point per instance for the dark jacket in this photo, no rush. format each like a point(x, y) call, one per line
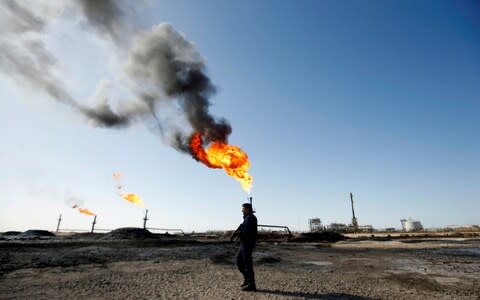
point(248, 230)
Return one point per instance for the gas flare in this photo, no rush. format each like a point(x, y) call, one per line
point(220, 155)
point(133, 198)
point(86, 211)
point(130, 197)
point(83, 210)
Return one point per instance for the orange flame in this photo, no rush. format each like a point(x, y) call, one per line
point(135, 199)
point(83, 210)
point(130, 197)
point(223, 156)
point(86, 211)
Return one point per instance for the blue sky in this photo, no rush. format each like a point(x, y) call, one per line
point(327, 97)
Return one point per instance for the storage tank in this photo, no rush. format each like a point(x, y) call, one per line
point(411, 225)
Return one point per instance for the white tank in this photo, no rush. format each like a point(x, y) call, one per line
point(411, 225)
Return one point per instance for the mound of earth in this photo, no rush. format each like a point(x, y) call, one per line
point(129, 233)
point(325, 236)
point(11, 233)
point(36, 233)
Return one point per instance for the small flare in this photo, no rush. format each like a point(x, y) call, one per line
point(133, 198)
point(228, 157)
point(86, 211)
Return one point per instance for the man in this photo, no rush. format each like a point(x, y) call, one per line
point(247, 231)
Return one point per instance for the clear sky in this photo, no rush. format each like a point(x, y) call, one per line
point(377, 98)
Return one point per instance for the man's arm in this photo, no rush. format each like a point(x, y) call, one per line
point(236, 233)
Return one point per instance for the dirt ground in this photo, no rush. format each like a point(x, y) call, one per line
point(406, 269)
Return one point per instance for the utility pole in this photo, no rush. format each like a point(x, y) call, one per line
point(59, 221)
point(93, 223)
point(354, 220)
point(145, 219)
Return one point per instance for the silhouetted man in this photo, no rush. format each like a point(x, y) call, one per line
point(247, 231)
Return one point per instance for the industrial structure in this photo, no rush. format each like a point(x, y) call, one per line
point(411, 225)
point(354, 219)
point(315, 225)
point(338, 227)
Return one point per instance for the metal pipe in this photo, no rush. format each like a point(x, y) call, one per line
point(59, 221)
point(93, 223)
point(145, 219)
point(351, 199)
point(278, 226)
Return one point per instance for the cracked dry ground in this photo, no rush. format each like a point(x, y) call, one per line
point(283, 271)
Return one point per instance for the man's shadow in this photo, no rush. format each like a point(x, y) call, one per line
point(314, 295)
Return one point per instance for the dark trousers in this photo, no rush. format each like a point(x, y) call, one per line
point(245, 263)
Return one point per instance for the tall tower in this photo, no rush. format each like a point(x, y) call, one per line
point(354, 220)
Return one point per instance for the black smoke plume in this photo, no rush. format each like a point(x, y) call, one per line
point(163, 67)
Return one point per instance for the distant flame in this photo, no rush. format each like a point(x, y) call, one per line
point(135, 199)
point(130, 197)
point(84, 210)
point(223, 156)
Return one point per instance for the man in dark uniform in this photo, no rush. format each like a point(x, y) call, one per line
point(247, 231)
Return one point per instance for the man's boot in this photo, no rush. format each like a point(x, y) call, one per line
point(250, 288)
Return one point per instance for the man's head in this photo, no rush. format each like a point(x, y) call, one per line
point(246, 208)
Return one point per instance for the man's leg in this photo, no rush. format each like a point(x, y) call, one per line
point(248, 263)
point(241, 266)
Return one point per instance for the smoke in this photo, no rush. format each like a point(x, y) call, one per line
point(112, 19)
point(165, 66)
point(73, 201)
point(23, 19)
point(23, 54)
point(162, 67)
